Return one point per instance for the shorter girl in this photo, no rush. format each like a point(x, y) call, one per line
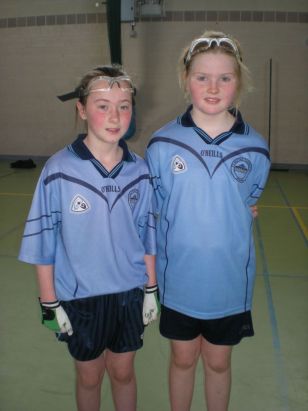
point(91, 234)
point(208, 168)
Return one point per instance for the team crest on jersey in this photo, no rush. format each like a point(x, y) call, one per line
point(133, 197)
point(79, 204)
point(178, 165)
point(240, 169)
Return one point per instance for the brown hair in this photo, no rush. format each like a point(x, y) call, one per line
point(109, 71)
point(82, 89)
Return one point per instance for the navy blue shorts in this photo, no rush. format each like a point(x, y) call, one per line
point(222, 331)
point(112, 321)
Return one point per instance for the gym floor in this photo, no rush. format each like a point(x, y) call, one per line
point(270, 370)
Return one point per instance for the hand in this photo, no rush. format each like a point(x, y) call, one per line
point(151, 305)
point(254, 211)
point(55, 318)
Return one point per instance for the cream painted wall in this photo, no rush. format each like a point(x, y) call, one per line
point(278, 5)
point(38, 63)
point(41, 63)
point(12, 8)
point(20, 8)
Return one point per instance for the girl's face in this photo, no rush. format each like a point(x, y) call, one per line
point(212, 83)
point(107, 112)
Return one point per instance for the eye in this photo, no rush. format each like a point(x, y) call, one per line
point(226, 79)
point(103, 107)
point(125, 107)
point(201, 78)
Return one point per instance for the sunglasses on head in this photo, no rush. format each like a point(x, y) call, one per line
point(207, 42)
point(123, 82)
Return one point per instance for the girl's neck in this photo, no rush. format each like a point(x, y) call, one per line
point(109, 155)
point(213, 125)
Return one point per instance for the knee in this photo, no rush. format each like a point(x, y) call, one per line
point(89, 381)
point(184, 362)
point(218, 366)
point(121, 376)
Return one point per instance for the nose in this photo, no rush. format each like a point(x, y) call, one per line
point(114, 115)
point(213, 87)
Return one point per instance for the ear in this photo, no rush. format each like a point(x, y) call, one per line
point(184, 82)
point(81, 110)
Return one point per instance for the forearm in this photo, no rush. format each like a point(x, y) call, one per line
point(150, 261)
point(45, 280)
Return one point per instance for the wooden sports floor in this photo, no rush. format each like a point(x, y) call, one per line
point(270, 370)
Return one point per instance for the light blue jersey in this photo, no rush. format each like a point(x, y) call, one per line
point(204, 189)
point(94, 226)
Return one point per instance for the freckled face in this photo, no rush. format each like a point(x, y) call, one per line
point(212, 83)
point(108, 113)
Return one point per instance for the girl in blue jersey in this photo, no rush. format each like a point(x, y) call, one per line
point(91, 234)
point(209, 168)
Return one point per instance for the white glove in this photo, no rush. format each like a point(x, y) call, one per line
point(55, 318)
point(151, 306)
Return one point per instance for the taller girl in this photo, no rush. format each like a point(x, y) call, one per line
point(208, 168)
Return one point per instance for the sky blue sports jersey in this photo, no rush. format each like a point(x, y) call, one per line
point(94, 226)
point(204, 189)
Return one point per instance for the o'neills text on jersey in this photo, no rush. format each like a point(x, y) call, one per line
point(211, 153)
point(110, 189)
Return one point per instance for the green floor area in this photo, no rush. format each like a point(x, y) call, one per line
point(270, 370)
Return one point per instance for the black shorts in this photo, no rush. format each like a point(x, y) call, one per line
point(112, 321)
point(223, 331)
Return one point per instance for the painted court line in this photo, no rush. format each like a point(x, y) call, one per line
point(280, 369)
point(7, 174)
point(301, 222)
point(283, 207)
point(11, 230)
point(297, 222)
point(287, 276)
point(15, 194)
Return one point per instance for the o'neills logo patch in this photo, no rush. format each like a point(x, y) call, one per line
point(240, 169)
point(178, 165)
point(79, 204)
point(133, 197)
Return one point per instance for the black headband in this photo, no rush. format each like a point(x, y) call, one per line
point(77, 93)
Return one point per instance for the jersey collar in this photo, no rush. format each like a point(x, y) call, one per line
point(238, 127)
point(81, 150)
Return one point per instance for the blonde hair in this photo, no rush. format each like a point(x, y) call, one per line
point(242, 71)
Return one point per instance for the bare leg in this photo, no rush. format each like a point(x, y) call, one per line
point(217, 368)
point(120, 368)
point(88, 383)
point(184, 358)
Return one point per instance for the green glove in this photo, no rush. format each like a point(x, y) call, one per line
point(55, 318)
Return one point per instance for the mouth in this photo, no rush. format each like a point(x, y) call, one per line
point(113, 130)
point(212, 100)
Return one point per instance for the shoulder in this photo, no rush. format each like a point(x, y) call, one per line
point(60, 159)
point(256, 138)
point(60, 162)
point(57, 158)
point(163, 134)
point(139, 163)
point(167, 128)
